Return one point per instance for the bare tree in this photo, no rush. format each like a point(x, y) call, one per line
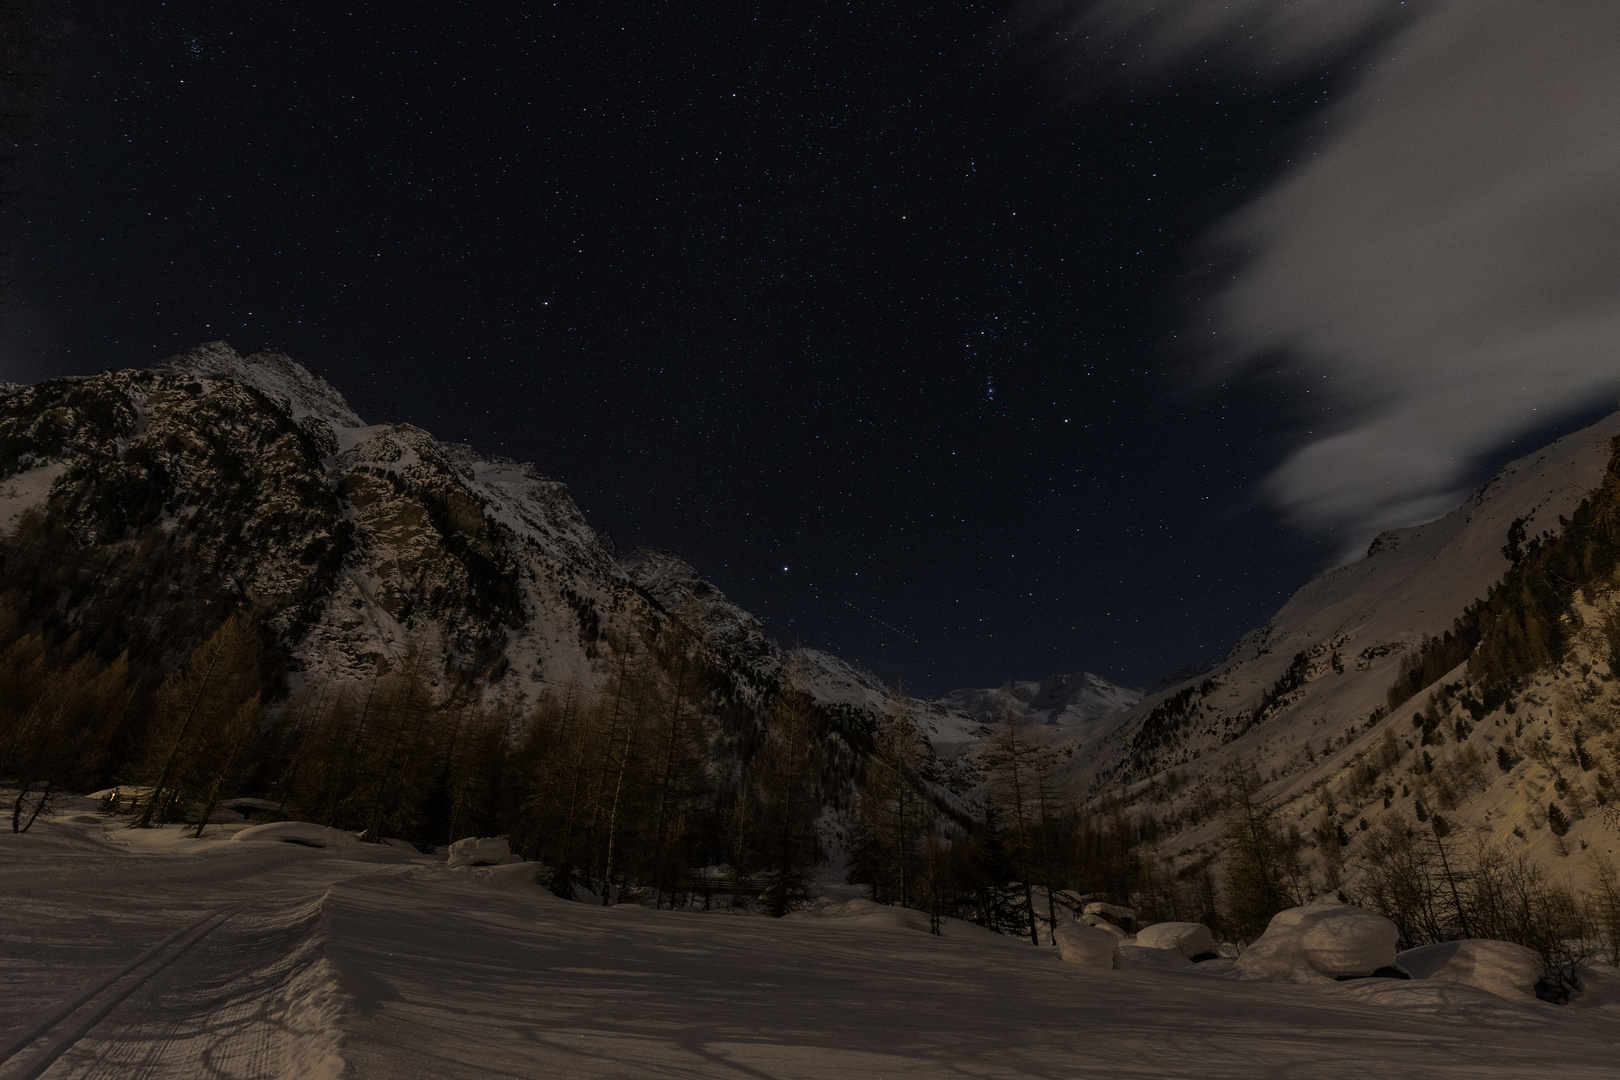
point(896, 813)
point(191, 725)
point(1017, 777)
point(789, 771)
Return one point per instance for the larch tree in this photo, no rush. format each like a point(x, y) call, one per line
point(191, 728)
point(1262, 871)
point(1010, 754)
point(680, 734)
point(788, 772)
point(58, 713)
point(896, 814)
point(395, 775)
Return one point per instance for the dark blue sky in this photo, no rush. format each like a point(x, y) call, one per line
point(866, 310)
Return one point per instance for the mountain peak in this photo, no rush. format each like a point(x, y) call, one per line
point(304, 394)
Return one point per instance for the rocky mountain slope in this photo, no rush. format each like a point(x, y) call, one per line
point(1072, 703)
point(225, 479)
point(1305, 699)
point(211, 480)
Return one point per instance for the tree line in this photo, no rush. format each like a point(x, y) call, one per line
point(659, 787)
point(1027, 856)
point(623, 791)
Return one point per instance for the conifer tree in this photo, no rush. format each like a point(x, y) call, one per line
point(895, 812)
point(680, 736)
point(228, 742)
point(191, 726)
point(58, 713)
point(788, 771)
point(629, 701)
point(1262, 874)
point(1011, 755)
point(393, 777)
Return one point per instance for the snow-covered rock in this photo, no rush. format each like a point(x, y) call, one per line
point(1188, 939)
point(303, 833)
point(480, 851)
point(1148, 958)
point(1600, 988)
point(1081, 944)
point(1117, 914)
point(1102, 924)
point(1067, 700)
point(1501, 967)
point(1321, 941)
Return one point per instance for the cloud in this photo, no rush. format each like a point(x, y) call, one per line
point(1283, 34)
point(1445, 260)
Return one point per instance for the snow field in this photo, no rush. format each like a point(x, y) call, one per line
point(377, 962)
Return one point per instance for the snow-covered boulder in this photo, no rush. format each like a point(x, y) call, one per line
point(1149, 958)
point(1188, 939)
point(1081, 944)
point(1600, 988)
point(303, 833)
point(1321, 941)
point(480, 851)
point(1117, 914)
point(1102, 924)
point(1501, 967)
point(250, 808)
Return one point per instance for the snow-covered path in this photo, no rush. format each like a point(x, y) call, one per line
point(387, 965)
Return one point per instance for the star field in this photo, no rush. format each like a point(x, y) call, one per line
point(859, 308)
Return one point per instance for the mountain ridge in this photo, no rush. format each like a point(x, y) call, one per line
point(482, 558)
point(1305, 700)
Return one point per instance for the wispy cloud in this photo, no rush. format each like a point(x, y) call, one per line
point(1447, 254)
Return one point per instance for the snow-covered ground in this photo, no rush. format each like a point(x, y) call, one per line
point(374, 961)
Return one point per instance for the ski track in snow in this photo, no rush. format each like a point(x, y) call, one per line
point(378, 963)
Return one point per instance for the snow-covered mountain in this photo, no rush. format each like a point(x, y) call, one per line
point(213, 478)
point(1305, 698)
point(1068, 701)
point(250, 480)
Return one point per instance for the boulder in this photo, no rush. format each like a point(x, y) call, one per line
point(1115, 913)
point(480, 851)
point(1102, 924)
point(1188, 939)
point(1321, 941)
point(1149, 958)
point(1501, 967)
point(1081, 944)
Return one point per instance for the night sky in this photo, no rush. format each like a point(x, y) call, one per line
point(877, 314)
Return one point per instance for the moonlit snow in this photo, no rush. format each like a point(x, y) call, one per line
point(368, 960)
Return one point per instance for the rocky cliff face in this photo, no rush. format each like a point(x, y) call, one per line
point(220, 479)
